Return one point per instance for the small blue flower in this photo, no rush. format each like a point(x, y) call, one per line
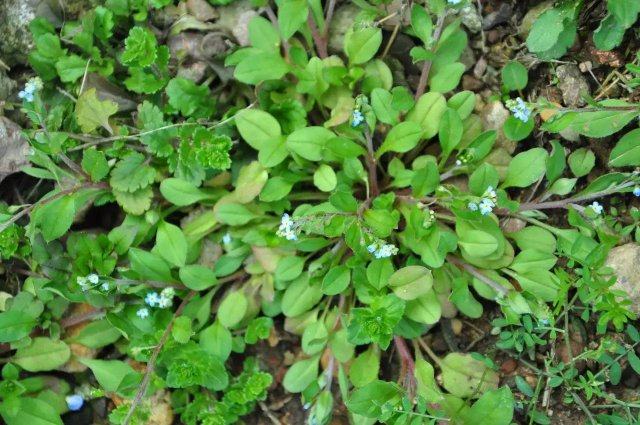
point(82, 282)
point(519, 109)
point(288, 228)
point(226, 239)
point(105, 286)
point(372, 248)
point(74, 402)
point(636, 190)
point(454, 2)
point(143, 313)
point(596, 207)
point(33, 85)
point(152, 299)
point(25, 95)
point(356, 118)
point(473, 206)
point(93, 278)
point(386, 251)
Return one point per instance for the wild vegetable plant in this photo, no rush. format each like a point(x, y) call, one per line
point(555, 30)
point(322, 197)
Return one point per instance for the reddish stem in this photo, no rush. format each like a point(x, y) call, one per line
point(407, 364)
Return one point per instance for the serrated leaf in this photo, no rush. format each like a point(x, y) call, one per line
point(92, 113)
point(134, 203)
point(140, 47)
point(190, 99)
point(70, 68)
point(155, 135)
point(95, 164)
point(131, 173)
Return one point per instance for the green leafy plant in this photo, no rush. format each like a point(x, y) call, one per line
point(555, 30)
point(318, 195)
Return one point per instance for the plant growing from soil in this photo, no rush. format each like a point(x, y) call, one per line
point(301, 196)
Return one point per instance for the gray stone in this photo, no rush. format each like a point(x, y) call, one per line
point(572, 84)
point(494, 115)
point(194, 71)
point(498, 17)
point(234, 19)
point(468, 58)
point(625, 262)
point(15, 16)
point(342, 21)
point(108, 91)
point(471, 18)
point(213, 45)
point(8, 86)
point(532, 16)
point(14, 148)
point(201, 10)
point(15, 38)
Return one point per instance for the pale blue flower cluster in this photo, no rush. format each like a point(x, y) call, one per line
point(356, 118)
point(487, 203)
point(143, 313)
point(163, 300)
point(74, 402)
point(380, 249)
point(288, 228)
point(596, 207)
point(30, 88)
point(226, 239)
point(87, 282)
point(636, 191)
point(454, 2)
point(519, 109)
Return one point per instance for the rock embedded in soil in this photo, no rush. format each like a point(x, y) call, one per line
point(494, 115)
point(342, 21)
point(624, 261)
point(15, 16)
point(8, 86)
point(201, 10)
point(234, 19)
point(531, 16)
point(468, 58)
point(194, 71)
point(498, 17)
point(15, 38)
point(106, 90)
point(471, 18)
point(161, 411)
point(14, 148)
point(573, 85)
